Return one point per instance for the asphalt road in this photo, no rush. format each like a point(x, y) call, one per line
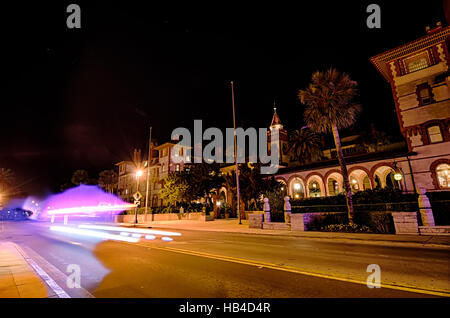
point(212, 264)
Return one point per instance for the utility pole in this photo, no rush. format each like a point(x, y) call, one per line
point(235, 157)
point(149, 161)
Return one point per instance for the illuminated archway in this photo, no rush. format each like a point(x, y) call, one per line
point(297, 188)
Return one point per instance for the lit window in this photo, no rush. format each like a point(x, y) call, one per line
point(297, 189)
point(434, 133)
point(177, 167)
point(417, 62)
point(443, 175)
point(354, 183)
point(314, 189)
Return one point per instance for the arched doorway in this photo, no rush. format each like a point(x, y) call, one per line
point(297, 188)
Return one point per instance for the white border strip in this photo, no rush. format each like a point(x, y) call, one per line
point(48, 280)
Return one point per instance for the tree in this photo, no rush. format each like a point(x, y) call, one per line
point(252, 184)
point(176, 189)
point(107, 179)
point(329, 108)
point(203, 179)
point(374, 140)
point(80, 177)
point(304, 145)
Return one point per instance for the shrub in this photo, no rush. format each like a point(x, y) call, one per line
point(328, 219)
point(378, 222)
point(355, 228)
point(364, 201)
point(276, 201)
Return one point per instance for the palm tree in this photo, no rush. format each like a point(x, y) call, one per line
point(304, 145)
point(329, 108)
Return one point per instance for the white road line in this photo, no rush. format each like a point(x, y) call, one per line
point(48, 280)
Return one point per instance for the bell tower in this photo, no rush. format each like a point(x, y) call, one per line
point(283, 137)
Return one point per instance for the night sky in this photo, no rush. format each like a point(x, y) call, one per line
point(84, 98)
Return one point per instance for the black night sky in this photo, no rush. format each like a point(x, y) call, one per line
point(84, 98)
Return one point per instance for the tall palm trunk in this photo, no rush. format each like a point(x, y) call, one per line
point(348, 190)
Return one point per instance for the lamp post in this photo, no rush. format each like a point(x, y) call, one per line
point(138, 174)
point(235, 157)
point(149, 161)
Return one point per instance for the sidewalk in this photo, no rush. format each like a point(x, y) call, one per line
point(17, 278)
point(233, 226)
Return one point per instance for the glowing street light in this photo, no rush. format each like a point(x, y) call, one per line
point(398, 176)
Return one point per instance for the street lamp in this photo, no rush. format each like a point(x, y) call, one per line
point(398, 176)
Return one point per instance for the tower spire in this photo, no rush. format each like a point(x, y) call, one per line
point(276, 122)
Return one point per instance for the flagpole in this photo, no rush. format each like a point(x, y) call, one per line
point(235, 157)
point(149, 162)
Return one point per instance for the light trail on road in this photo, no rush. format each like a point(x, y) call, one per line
point(71, 230)
point(124, 229)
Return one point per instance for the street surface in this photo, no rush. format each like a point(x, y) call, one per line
point(212, 264)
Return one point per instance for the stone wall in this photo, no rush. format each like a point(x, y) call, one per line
point(434, 230)
point(255, 220)
point(405, 222)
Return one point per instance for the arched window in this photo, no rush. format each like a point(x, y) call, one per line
point(391, 182)
point(354, 184)
point(366, 183)
point(443, 175)
point(434, 134)
point(297, 190)
point(377, 182)
point(333, 186)
point(314, 189)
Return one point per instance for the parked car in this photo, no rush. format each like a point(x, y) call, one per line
point(15, 214)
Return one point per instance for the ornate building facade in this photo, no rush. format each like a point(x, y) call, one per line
point(418, 73)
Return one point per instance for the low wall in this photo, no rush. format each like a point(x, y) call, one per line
point(255, 220)
point(276, 226)
point(248, 213)
point(435, 230)
point(405, 222)
point(129, 218)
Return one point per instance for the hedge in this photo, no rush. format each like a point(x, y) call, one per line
point(363, 201)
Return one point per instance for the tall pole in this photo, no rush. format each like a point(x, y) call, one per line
point(235, 157)
point(149, 161)
point(136, 208)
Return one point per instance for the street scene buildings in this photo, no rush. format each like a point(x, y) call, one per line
point(418, 73)
point(209, 151)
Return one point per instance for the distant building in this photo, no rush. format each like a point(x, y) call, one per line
point(161, 165)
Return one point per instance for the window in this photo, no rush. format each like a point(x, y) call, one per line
point(354, 184)
point(443, 175)
point(314, 189)
point(417, 62)
point(434, 134)
point(297, 189)
point(424, 95)
point(177, 167)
